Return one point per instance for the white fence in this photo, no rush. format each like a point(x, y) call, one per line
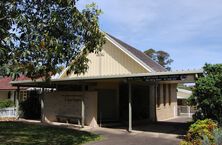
point(8, 112)
point(185, 111)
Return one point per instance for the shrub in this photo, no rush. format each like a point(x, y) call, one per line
point(199, 131)
point(207, 94)
point(217, 135)
point(6, 103)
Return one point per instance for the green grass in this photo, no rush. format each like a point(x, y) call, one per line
point(17, 133)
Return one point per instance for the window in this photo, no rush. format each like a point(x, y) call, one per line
point(169, 93)
point(164, 94)
point(23, 95)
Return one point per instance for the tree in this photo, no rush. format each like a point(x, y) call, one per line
point(7, 14)
point(151, 53)
point(161, 57)
point(207, 94)
point(49, 34)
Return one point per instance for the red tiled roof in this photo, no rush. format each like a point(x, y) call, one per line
point(5, 83)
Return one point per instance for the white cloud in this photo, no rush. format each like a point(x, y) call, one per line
point(192, 27)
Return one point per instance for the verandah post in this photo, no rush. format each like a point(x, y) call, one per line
point(130, 107)
point(42, 105)
point(83, 106)
point(17, 102)
point(155, 100)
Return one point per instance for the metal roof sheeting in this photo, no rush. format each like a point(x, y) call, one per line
point(124, 76)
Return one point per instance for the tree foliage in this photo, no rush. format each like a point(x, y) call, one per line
point(7, 14)
point(207, 94)
point(161, 57)
point(48, 34)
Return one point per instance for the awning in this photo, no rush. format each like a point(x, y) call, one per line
point(170, 76)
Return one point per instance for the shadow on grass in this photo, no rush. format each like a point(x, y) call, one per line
point(12, 133)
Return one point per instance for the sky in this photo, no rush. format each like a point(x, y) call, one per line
point(189, 30)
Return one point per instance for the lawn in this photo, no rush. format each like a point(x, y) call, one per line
point(17, 133)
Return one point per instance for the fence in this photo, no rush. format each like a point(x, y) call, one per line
point(186, 111)
point(8, 112)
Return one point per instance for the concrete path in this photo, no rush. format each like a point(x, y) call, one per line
point(168, 132)
point(122, 137)
point(162, 133)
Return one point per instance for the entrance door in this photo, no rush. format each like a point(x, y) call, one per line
point(140, 102)
point(107, 105)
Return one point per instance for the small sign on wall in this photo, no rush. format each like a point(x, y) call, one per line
point(72, 98)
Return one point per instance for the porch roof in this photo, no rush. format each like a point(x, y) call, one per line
point(170, 76)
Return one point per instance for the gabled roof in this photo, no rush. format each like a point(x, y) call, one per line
point(142, 57)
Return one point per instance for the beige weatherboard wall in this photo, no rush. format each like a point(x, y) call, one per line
point(110, 61)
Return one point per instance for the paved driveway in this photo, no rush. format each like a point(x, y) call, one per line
point(162, 133)
point(122, 137)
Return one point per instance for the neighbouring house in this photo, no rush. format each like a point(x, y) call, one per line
point(182, 102)
point(182, 96)
point(8, 92)
point(122, 84)
point(17, 96)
